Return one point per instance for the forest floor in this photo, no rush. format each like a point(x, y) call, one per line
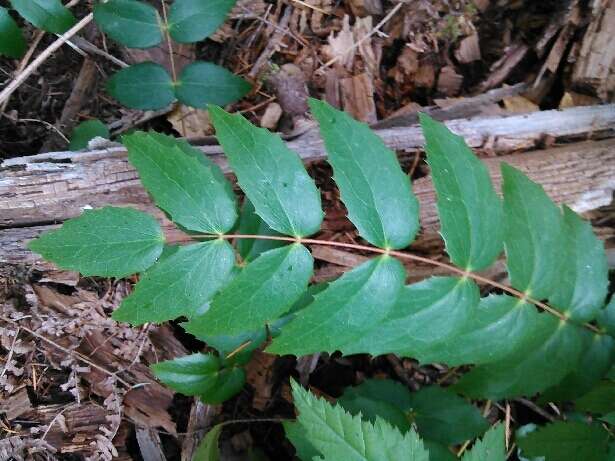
point(69, 375)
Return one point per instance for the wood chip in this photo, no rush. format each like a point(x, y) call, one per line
point(358, 97)
point(190, 122)
point(449, 81)
point(16, 404)
point(572, 99)
point(519, 104)
point(469, 49)
point(362, 8)
point(271, 116)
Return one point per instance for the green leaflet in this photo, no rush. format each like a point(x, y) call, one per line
point(490, 448)
point(444, 417)
point(339, 436)
point(208, 448)
point(566, 441)
point(379, 398)
point(272, 176)
point(526, 372)
point(499, 326)
point(372, 185)
point(202, 375)
point(179, 285)
point(132, 23)
point(201, 83)
point(600, 400)
point(583, 281)
point(470, 210)
point(346, 310)
point(534, 236)
point(609, 418)
point(438, 452)
point(85, 132)
point(251, 224)
point(145, 86)
point(108, 242)
point(49, 15)
point(594, 363)
point(12, 43)
point(425, 313)
point(183, 182)
point(305, 451)
point(264, 290)
point(606, 317)
point(193, 20)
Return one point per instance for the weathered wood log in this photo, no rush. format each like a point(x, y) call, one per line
point(49, 188)
point(580, 174)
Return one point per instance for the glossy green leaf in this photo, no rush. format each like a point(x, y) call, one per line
point(424, 313)
point(534, 237)
point(609, 418)
point(109, 242)
point(272, 176)
point(264, 290)
point(499, 326)
point(470, 211)
point(208, 449)
point(12, 42)
point(594, 364)
point(606, 317)
point(345, 311)
point(85, 132)
point(201, 83)
point(145, 86)
point(526, 372)
point(201, 375)
point(583, 280)
point(438, 452)
point(490, 448)
point(339, 436)
point(49, 15)
point(180, 285)
point(134, 24)
point(600, 400)
point(193, 20)
point(566, 441)
point(245, 342)
point(183, 182)
point(251, 224)
point(444, 417)
point(379, 398)
point(372, 185)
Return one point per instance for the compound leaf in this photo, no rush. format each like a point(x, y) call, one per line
point(344, 311)
point(534, 236)
point(183, 182)
point(272, 176)
point(251, 224)
point(469, 208)
point(49, 15)
point(338, 435)
point(526, 372)
point(490, 448)
point(264, 290)
point(201, 83)
point(202, 375)
point(372, 185)
point(444, 417)
point(145, 86)
point(424, 313)
point(85, 132)
point(132, 23)
point(583, 280)
point(179, 285)
point(193, 20)
point(566, 441)
point(12, 42)
point(108, 242)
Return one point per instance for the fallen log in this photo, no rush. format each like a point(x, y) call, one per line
point(50, 188)
point(581, 175)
